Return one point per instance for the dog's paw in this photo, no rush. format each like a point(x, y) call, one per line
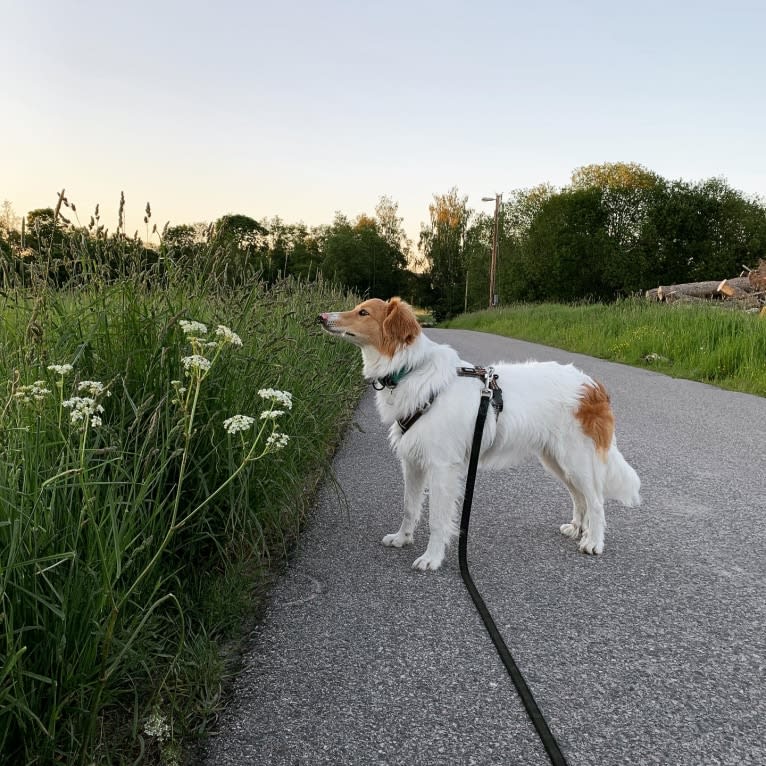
point(589, 546)
point(426, 561)
point(397, 540)
point(570, 530)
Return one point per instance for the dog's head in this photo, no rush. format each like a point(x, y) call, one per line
point(386, 326)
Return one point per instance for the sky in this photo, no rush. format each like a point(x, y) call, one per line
point(301, 109)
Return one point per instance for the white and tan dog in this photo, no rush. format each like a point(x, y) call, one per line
point(551, 411)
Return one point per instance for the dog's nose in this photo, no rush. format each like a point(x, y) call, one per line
point(322, 318)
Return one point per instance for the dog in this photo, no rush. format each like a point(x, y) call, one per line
point(551, 411)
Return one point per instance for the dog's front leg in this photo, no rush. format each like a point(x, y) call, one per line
point(445, 483)
point(414, 485)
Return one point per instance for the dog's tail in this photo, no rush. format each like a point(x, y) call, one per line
point(622, 482)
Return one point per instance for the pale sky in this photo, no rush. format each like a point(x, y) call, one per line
point(300, 109)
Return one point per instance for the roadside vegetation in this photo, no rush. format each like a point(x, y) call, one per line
point(704, 342)
point(163, 422)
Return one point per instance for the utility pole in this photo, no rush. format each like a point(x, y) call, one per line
point(493, 263)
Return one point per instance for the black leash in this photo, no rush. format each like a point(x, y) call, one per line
point(534, 712)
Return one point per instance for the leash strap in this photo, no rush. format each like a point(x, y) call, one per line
point(533, 711)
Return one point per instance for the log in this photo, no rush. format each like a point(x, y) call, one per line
point(729, 290)
point(708, 290)
point(757, 276)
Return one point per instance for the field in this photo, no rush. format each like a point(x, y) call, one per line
point(700, 342)
point(151, 469)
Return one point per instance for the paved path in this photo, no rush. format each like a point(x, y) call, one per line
point(654, 653)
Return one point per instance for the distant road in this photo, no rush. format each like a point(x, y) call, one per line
point(654, 653)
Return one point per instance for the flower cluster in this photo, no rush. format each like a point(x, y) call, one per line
point(228, 336)
point(93, 387)
point(85, 410)
point(156, 725)
point(61, 369)
point(285, 398)
point(237, 423)
point(196, 362)
point(35, 392)
point(277, 440)
point(191, 327)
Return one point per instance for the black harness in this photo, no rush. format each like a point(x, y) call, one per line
point(486, 374)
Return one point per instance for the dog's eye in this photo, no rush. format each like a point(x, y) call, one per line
point(364, 313)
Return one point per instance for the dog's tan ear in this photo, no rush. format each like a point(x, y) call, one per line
point(400, 327)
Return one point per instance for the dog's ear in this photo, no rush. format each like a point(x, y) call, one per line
point(400, 327)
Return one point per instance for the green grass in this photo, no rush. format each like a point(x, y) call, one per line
point(131, 548)
point(701, 342)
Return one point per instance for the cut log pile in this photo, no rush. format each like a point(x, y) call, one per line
point(747, 291)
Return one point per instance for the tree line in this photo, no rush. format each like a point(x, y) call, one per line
point(617, 228)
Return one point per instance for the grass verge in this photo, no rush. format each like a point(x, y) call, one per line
point(711, 344)
point(136, 516)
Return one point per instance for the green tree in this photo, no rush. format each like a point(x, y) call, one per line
point(238, 243)
point(567, 248)
point(442, 246)
point(359, 256)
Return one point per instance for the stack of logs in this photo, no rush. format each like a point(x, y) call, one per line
point(747, 291)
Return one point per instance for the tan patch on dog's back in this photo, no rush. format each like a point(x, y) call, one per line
point(596, 417)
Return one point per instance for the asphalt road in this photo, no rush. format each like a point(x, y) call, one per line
point(654, 653)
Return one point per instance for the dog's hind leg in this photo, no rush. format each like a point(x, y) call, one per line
point(446, 490)
point(574, 528)
point(414, 485)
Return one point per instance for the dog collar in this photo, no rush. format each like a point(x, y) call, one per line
point(391, 380)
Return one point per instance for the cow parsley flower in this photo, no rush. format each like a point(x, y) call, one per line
point(285, 398)
point(228, 335)
point(61, 369)
point(190, 327)
point(196, 362)
point(156, 725)
point(84, 410)
point(271, 414)
point(35, 392)
point(93, 387)
point(237, 423)
point(277, 441)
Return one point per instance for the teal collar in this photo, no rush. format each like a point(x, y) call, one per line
point(391, 380)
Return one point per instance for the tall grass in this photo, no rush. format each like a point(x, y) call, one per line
point(701, 342)
point(131, 519)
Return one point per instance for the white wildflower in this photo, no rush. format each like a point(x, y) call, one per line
point(228, 335)
point(61, 369)
point(84, 409)
point(196, 362)
point(190, 327)
point(156, 725)
point(93, 387)
point(211, 345)
point(285, 398)
point(35, 392)
point(271, 414)
point(277, 440)
point(238, 423)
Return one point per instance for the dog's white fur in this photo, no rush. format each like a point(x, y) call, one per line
point(553, 412)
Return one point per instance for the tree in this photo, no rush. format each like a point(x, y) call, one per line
point(359, 256)
point(9, 221)
point(567, 247)
point(390, 226)
point(236, 242)
point(442, 246)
